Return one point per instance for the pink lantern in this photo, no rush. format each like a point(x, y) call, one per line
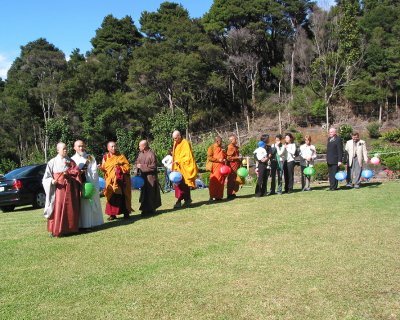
point(375, 160)
point(225, 170)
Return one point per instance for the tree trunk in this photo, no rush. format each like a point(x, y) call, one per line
point(380, 113)
point(292, 75)
point(327, 117)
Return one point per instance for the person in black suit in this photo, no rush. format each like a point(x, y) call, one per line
point(334, 154)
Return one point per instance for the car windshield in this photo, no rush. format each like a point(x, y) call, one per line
point(18, 173)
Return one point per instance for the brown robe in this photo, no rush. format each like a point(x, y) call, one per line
point(232, 155)
point(150, 197)
point(65, 216)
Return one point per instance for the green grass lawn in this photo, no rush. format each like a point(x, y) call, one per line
point(313, 255)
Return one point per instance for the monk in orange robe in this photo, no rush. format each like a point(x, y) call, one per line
point(217, 156)
point(116, 170)
point(184, 162)
point(234, 161)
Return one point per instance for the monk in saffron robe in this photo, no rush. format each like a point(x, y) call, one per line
point(116, 170)
point(184, 162)
point(234, 161)
point(146, 163)
point(62, 183)
point(217, 156)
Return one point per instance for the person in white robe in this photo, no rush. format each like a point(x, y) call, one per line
point(91, 212)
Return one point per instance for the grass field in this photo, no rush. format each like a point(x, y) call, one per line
point(313, 255)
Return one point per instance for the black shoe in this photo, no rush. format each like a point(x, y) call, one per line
point(126, 215)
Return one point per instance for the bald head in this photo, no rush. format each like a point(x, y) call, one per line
point(143, 145)
point(176, 135)
point(79, 147)
point(62, 149)
point(233, 139)
point(112, 147)
point(218, 140)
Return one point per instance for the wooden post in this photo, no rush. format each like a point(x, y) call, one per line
point(237, 132)
point(248, 124)
point(280, 121)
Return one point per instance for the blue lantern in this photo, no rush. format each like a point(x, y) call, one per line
point(175, 177)
point(102, 183)
point(137, 182)
point(367, 174)
point(341, 175)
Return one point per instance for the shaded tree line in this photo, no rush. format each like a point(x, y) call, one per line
point(288, 60)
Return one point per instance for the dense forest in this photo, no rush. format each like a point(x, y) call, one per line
point(290, 61)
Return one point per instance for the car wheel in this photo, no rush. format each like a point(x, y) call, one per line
point(39, 200)
point(7, 208)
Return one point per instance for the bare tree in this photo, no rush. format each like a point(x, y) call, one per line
point(243, 64)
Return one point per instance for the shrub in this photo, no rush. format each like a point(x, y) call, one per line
point(321, 148)
point(200, 150)
point(6, 165)
point(373, 130)
point(345, 131)
point(392, 135)
point(298, 138)
point(248, 148)
point(392, 162)
point(321, 171)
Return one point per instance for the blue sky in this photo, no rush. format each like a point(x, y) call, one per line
point(71, 24)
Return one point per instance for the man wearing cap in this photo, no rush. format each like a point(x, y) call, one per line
point(263, 167)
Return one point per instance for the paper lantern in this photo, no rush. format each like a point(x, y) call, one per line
point(225, 170)
point(175, 177)
point(137, 182)
point(367, 174)
point(341, 175)
point(309, 171)
point(244, 162)
point(375, 160)
point(88, 190)
point(242, 172)
point(102, 183)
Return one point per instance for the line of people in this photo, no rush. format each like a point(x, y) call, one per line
point(67, 212)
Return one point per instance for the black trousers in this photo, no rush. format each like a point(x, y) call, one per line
point(276, 173)
point(262, 180)
point(333, 169)
point(288, 172)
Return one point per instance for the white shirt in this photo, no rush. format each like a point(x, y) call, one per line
point(281, 151)
point(167, 162)
point(260, 153)
point(290, 151)
point(308, 151)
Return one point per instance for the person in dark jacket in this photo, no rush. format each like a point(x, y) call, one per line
point(334, 155)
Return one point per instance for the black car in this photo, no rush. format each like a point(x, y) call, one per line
point(22, 186)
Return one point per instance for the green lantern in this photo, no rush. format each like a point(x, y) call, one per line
point(309, 171)
point(242, 172)
point(88, 190)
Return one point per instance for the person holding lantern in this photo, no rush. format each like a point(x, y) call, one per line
point(217, 156)
point(91, 213)
point(183, 162)
point(62, 184)
point(308, 153)
point(263, 156)
point(234, 161)
point(357, 152)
